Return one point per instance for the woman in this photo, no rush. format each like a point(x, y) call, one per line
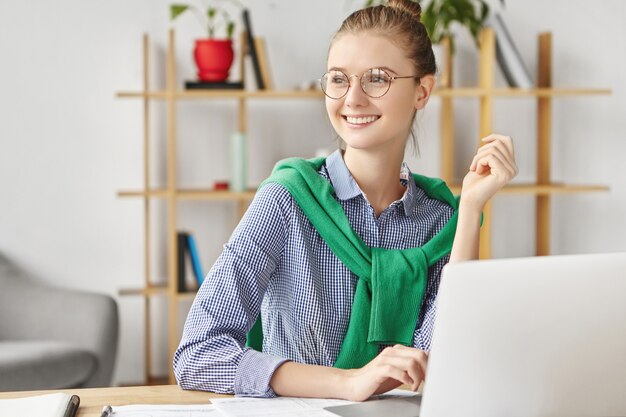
point(342, 256)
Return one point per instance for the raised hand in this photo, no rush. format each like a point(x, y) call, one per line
point(491, 169)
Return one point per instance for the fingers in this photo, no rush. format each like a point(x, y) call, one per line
point(479, 162)
point(394, 366)
point(503, 144)
point(405, 364)
point(496, 164)
point(496, 156)
point(506, 140)
point(396, 372)
point(498, 144)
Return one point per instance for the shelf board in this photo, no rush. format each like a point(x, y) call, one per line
point(219, 195)
point(192, 194)
point(157, 193)
point(216, 94)
point(544, 189)
point(518, 92)
point(442, 92)
point(157, 289)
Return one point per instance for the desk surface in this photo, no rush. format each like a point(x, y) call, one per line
point(93, 399)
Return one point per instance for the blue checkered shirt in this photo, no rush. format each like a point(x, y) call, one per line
point(276, 263)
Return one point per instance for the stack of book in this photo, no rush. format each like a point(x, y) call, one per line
point(188, 258)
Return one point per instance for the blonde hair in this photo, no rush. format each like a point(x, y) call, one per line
point(400, 22)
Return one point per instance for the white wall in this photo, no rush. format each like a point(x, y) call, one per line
point(67, 144)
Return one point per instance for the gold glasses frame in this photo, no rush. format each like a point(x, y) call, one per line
point(324, 81)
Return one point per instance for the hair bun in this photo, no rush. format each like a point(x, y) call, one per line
point(411, 7)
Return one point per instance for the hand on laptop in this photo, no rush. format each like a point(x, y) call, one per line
point(492, 168)
point(393, 367)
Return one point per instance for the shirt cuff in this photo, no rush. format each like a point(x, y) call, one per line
point(254, 372)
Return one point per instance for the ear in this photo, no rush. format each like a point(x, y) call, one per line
point(427, 84)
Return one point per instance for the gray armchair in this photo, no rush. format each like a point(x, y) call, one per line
point(53, 338)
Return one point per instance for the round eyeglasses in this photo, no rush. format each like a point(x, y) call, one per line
point(375, 82)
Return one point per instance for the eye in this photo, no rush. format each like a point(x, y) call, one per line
point(337, 79)
point(376, 77)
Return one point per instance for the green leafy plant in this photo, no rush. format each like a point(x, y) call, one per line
point(438, 16)
point(212, 18)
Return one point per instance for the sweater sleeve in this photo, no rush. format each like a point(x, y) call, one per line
point(212, 355)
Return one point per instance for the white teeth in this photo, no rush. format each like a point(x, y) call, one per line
point(361, 120)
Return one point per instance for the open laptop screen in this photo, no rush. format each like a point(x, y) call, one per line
point(526, 337)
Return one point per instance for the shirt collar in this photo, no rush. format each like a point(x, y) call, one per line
point(344, 184)
point(346, 187)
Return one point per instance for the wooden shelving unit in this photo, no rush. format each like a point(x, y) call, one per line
point(171, 193)
point(485, 92)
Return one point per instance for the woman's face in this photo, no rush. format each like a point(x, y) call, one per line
point(370, 123)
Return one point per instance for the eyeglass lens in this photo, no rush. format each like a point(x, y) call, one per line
point(375, 83)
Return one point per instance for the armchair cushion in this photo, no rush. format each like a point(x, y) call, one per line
point(43, 364)
point(80, 329)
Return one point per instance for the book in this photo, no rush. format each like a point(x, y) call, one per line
point(189, 265)
point(252, 51)
point(47, 405)
point(181, 240)
point(508, 57)
point(261, 51)
point(195, 259)
point(209, 85)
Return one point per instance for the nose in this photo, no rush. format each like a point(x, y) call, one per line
point(355, 95)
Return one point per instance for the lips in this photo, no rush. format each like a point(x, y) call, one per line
point(361, 120)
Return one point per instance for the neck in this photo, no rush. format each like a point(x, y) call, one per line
point(377, 174)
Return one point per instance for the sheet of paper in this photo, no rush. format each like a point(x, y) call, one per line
point(169, 410)
point(395, 393)
point(287, 406)
point(275, 407)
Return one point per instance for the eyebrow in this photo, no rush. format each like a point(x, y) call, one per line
point(376, 67)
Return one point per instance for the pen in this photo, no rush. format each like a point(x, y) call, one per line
point(107, 411)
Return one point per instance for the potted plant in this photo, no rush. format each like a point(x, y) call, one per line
point(438, 16)
point(213, 55)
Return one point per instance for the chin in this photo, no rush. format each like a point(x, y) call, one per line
point(357, 143)
point(361, 145)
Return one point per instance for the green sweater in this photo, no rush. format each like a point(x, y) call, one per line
point(392, 282)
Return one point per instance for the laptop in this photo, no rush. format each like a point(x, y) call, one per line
point(540, 336)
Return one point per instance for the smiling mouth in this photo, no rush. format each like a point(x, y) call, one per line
point(360, 120)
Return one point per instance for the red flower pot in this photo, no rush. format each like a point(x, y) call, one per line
point(213, 58)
